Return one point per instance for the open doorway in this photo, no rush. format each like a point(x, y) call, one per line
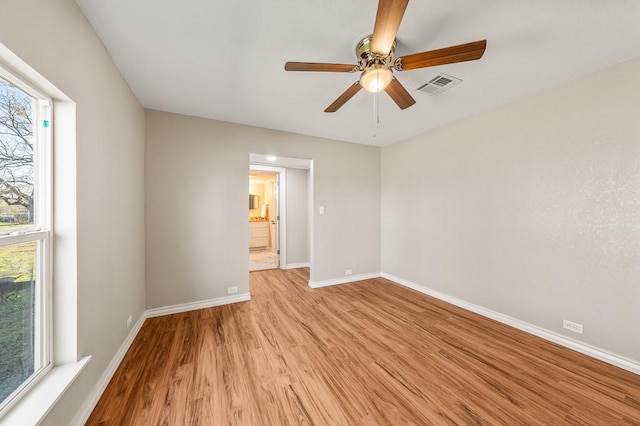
point(265, 210)
point(288, 218)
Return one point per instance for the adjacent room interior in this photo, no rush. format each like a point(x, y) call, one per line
point(264, 231)
point(435, 220)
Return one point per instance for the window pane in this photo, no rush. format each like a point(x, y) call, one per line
point(17, 315)
point(17, 119)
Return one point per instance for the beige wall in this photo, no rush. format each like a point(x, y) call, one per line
point(297, 216)
point(207, 253)
point(54, 38)
point(531, 210)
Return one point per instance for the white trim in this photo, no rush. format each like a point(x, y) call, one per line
point(34, 406)
point(281, 161)
point(192, 306)
point(39, 233)
point(343, 280)
point(310, 223)
point(281, 221)
point(296, 265)
point(24, 85)
point(94, 396)
point(584, 348)
point(23, 237)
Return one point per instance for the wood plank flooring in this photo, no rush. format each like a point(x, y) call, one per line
point(366, 353)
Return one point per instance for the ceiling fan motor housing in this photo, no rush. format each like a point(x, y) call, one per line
point(366, 58)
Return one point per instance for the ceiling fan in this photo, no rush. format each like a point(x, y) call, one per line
point(377, 61)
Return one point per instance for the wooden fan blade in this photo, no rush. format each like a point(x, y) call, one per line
point(342, 99)
point(399, 94)
point(447, 55)
point(388, 20)
point(311, 66)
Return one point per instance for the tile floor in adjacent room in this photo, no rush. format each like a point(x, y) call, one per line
point(262, 259)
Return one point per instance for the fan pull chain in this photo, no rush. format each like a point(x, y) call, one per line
point(376, 114)
point(375, 100)
point(376, 108)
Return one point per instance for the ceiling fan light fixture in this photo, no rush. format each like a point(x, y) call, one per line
point(376, 78)
point(377, 61)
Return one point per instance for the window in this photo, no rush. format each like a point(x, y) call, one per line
point(25, 233)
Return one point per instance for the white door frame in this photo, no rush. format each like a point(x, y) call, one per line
point(282, 205)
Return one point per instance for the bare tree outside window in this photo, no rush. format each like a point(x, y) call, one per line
point(16, 155)
point(17, 261)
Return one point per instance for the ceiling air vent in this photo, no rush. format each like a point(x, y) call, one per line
point(439, 84)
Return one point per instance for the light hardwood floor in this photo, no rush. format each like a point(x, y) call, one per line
point(366, 353)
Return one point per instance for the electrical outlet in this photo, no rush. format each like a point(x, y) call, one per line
point(348, 272)
point(572, 326)
point(232, 290)
point(321, 210)
point(129, 320)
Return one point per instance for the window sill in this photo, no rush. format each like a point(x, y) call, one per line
point(35, 405)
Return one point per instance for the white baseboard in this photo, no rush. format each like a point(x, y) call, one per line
point(95, 394)
point(592, 351)
point(343, 280)
point(296, 265)
point(192, 306)
point(93, 398)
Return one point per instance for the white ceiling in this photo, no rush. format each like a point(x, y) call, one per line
point(225, 59)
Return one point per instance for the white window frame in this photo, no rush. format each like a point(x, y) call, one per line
point(40, 232)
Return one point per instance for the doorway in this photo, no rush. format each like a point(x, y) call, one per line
point(266, 208)
point(293, 228)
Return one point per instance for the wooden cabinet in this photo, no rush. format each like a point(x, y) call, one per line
point(258, 234)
